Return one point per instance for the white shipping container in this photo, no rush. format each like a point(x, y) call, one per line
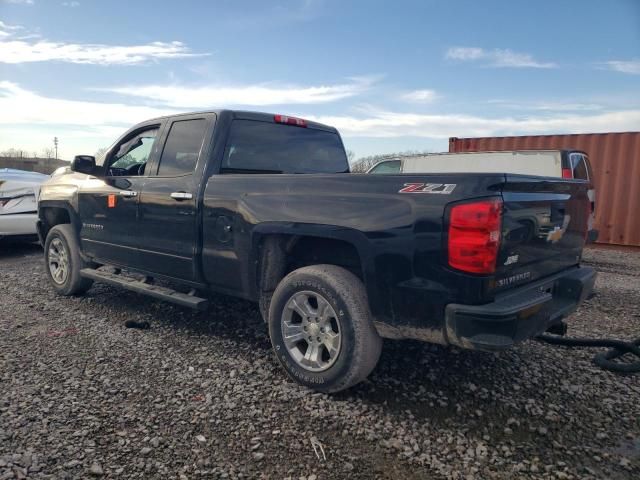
point(545, 163)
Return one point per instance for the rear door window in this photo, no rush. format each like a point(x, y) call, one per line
point(263, 147)
point(182, 148)
point(579, 166)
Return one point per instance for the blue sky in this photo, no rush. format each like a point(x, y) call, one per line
point(391, 76)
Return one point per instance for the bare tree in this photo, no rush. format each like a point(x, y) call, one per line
point(362, 165)
point(100, 153)
point(48, 153)
point(13, 152)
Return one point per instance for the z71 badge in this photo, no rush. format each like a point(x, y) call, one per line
point(442, 188)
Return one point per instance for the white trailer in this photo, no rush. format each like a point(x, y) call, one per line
point(545, 163)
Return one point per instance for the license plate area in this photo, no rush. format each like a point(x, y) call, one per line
point(549, 287)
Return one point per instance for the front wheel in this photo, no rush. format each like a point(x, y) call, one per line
point(321, 328)
point(63, 262)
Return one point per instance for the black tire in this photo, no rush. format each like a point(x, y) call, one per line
point(63, 239)
point(360, 344)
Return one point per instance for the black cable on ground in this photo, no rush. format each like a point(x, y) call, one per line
point(605, 360)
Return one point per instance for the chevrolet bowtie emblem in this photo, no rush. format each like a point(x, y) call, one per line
point(557, 233)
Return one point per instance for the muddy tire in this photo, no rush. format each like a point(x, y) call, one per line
point(321, 328)
point(63, 262)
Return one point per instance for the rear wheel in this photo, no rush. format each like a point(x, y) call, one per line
point(321, 328)
point(63, 262)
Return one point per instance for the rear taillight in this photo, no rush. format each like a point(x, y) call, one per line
point(298, 122)
point(474, 236)
point(567, 173)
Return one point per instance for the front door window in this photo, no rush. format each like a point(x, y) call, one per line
point(131, 156)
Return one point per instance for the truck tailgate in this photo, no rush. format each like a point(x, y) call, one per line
point(544, 227)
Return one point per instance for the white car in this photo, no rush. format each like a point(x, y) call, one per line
point(19, 191)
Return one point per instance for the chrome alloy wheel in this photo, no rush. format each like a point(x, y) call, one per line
point(311, 331)
point(58, 261)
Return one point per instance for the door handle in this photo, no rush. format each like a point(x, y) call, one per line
point(181, 196)
point(128, 193)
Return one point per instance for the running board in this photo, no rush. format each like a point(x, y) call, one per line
point(139, 286)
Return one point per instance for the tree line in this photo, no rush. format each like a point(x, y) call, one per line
point(18, 153)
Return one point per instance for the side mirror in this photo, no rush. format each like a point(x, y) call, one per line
point(83, 164)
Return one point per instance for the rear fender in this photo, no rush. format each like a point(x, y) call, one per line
point(350, 236)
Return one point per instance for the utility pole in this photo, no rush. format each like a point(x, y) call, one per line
point(55, 143)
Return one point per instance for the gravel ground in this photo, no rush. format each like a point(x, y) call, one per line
point(200, 395)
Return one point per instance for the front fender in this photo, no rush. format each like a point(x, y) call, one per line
point(64, 188)
point(50, 213)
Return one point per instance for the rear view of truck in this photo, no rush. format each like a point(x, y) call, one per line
point(335, 260)
point(524, 246)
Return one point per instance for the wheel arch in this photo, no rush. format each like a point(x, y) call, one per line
point(277, 249)
point(52, 213)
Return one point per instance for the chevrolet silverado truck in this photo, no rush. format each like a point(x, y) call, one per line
point(263, 207)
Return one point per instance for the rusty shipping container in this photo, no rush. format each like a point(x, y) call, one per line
point(615, 161)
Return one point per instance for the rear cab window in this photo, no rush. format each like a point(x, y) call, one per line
point(255, 146)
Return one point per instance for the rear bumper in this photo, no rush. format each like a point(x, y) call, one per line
point(519, 314)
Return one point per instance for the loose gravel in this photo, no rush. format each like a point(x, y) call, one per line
point(201, 395)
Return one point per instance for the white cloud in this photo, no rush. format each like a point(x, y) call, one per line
point(625, 66)
point(419, 96)
point(6, 26)
point(228, 95)
point(550, 106)
point(20, 106)
point(30, 48)
point(29, 120)
point(21, 51)
point(465, 53)
point(496, 57)
point(7, 30)
point(393, 124)
point(19, 2)
point(71, 4)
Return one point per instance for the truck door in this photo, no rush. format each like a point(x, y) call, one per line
point(108, 205)
point(168, 201)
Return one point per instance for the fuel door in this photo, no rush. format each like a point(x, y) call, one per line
point(223, 229)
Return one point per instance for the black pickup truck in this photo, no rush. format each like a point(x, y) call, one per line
point(263, 207)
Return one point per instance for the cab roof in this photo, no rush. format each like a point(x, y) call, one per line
point(245, 115)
